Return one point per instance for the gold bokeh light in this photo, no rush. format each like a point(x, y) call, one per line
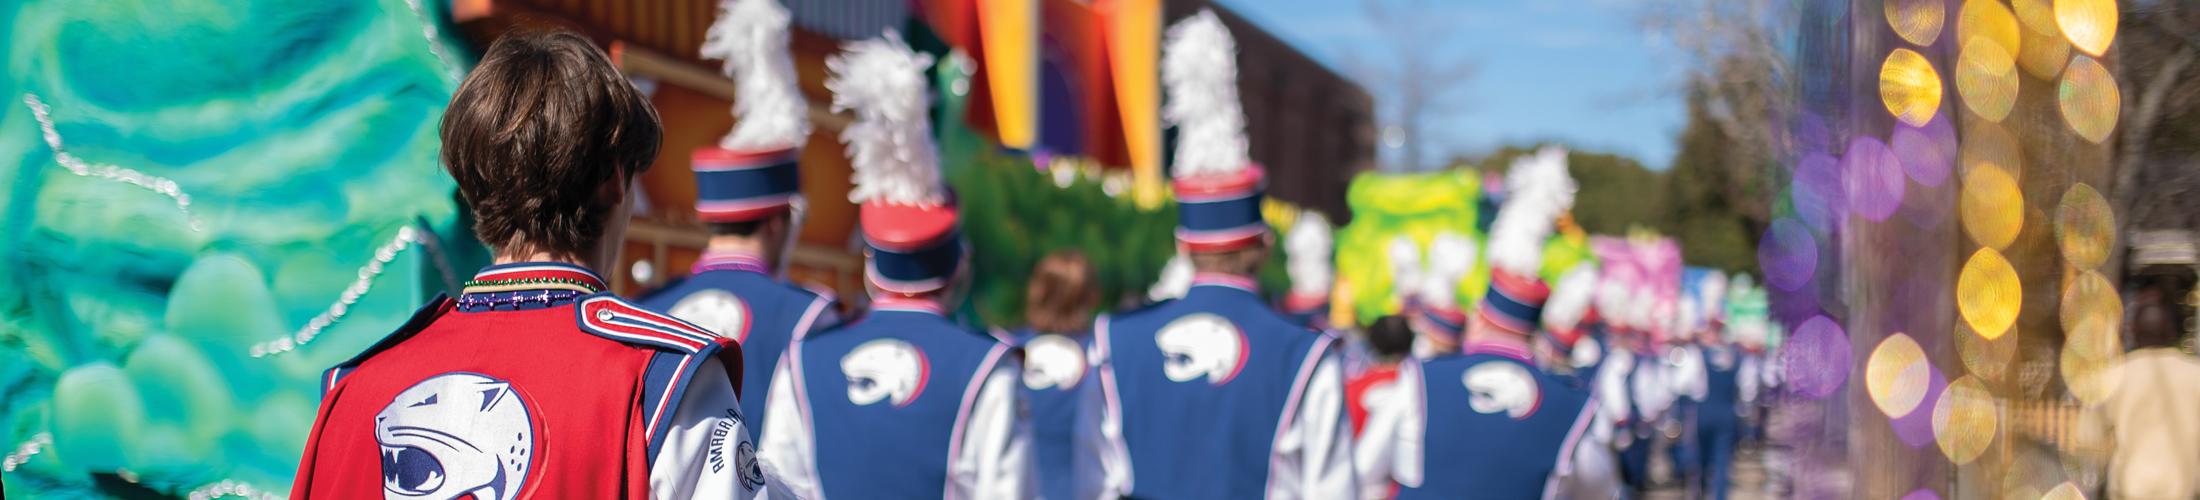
point(2089, 99)
point(1986, 77)
point(1918, 21)
point(1988, 18)
point(2085, 227)
point(1910, 87)
point(2065, 491)
point(1965, 420)
point(1987, 143)
point(1896, 375)
point(2088, 297)
point(1988, 359)
point(2044, 51)
point(2089, 354)
point(2090, 25)
point(1992, 206)
point(1989, 294)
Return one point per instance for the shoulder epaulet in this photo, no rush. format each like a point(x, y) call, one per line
point(419, 321)
point(611, 317)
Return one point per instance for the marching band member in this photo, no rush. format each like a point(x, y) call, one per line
point(1216, 394)
point(535, 381)
point(902, 402)
point(1571, 324)
point(749, 196)
point(1498, 425)
point(1058, 304)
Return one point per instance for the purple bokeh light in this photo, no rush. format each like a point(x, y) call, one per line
point(1788, 254)
point(1927, 153)
point(1874, 175)
point(1817, 191)
point(1915, 429)
point(1817, 358)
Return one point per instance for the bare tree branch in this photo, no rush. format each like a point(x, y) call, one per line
point(1422, 81)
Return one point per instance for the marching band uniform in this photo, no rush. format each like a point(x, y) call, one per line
point(902, 402)
point(1718, 417)
point(1373, 388)
point(737, 295)
point(1055, 386)
point(1500, 426)
point(1216, 394)
point(751, 175)
point(653, 416)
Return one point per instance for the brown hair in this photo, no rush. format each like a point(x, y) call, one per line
point(542, 138)
point(1061, 293)
point(1243, 261)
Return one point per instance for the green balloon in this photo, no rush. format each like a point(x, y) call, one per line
point(170, 452)
point(223, 299)
point(281, 424)
point(181, 387)
point(98, 417)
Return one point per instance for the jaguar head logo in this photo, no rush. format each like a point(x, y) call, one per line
point(1053, 361)
point(454, 435)
point(715, 310)
point(1201, 346)
point(885, 370)
point(1497, 386)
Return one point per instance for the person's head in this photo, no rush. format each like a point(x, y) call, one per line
point(1061, 294)
point(2155, 325)
point(543, 139)
point(770, 238)
point(1437, 330)
point(1241, 261)
point(1391, 337)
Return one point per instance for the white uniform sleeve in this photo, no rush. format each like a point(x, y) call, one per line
point(1688, 375)
point(1651, 388)
point(1611, 387)
point(706, 451)
point(1594, 471)
point(1313, 457)
point(994, 458)
point(788, 449)
point(1389, 449)
point(1106, 432)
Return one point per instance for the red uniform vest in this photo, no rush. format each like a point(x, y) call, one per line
point(1355, 392)
point(557, 401)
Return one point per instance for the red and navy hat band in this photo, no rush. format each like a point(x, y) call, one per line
point(734, 186)
point(1449, 320)
point(1220, 223)
point(915, 269)
point(1514, 303)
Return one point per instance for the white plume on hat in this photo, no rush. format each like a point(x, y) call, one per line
point(1405, 267)
point(1309, 245)
point(1538, 190)
point(751, 37)
point(1176, 279)
point(1571, 297)
point(1450, 257)
point(1199, 69)
point(890, 141)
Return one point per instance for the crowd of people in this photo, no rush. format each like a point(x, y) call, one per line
point(735, 383)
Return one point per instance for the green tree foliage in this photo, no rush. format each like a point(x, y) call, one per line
point(1687, 201)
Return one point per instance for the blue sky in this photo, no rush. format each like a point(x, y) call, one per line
point(1574, 71)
